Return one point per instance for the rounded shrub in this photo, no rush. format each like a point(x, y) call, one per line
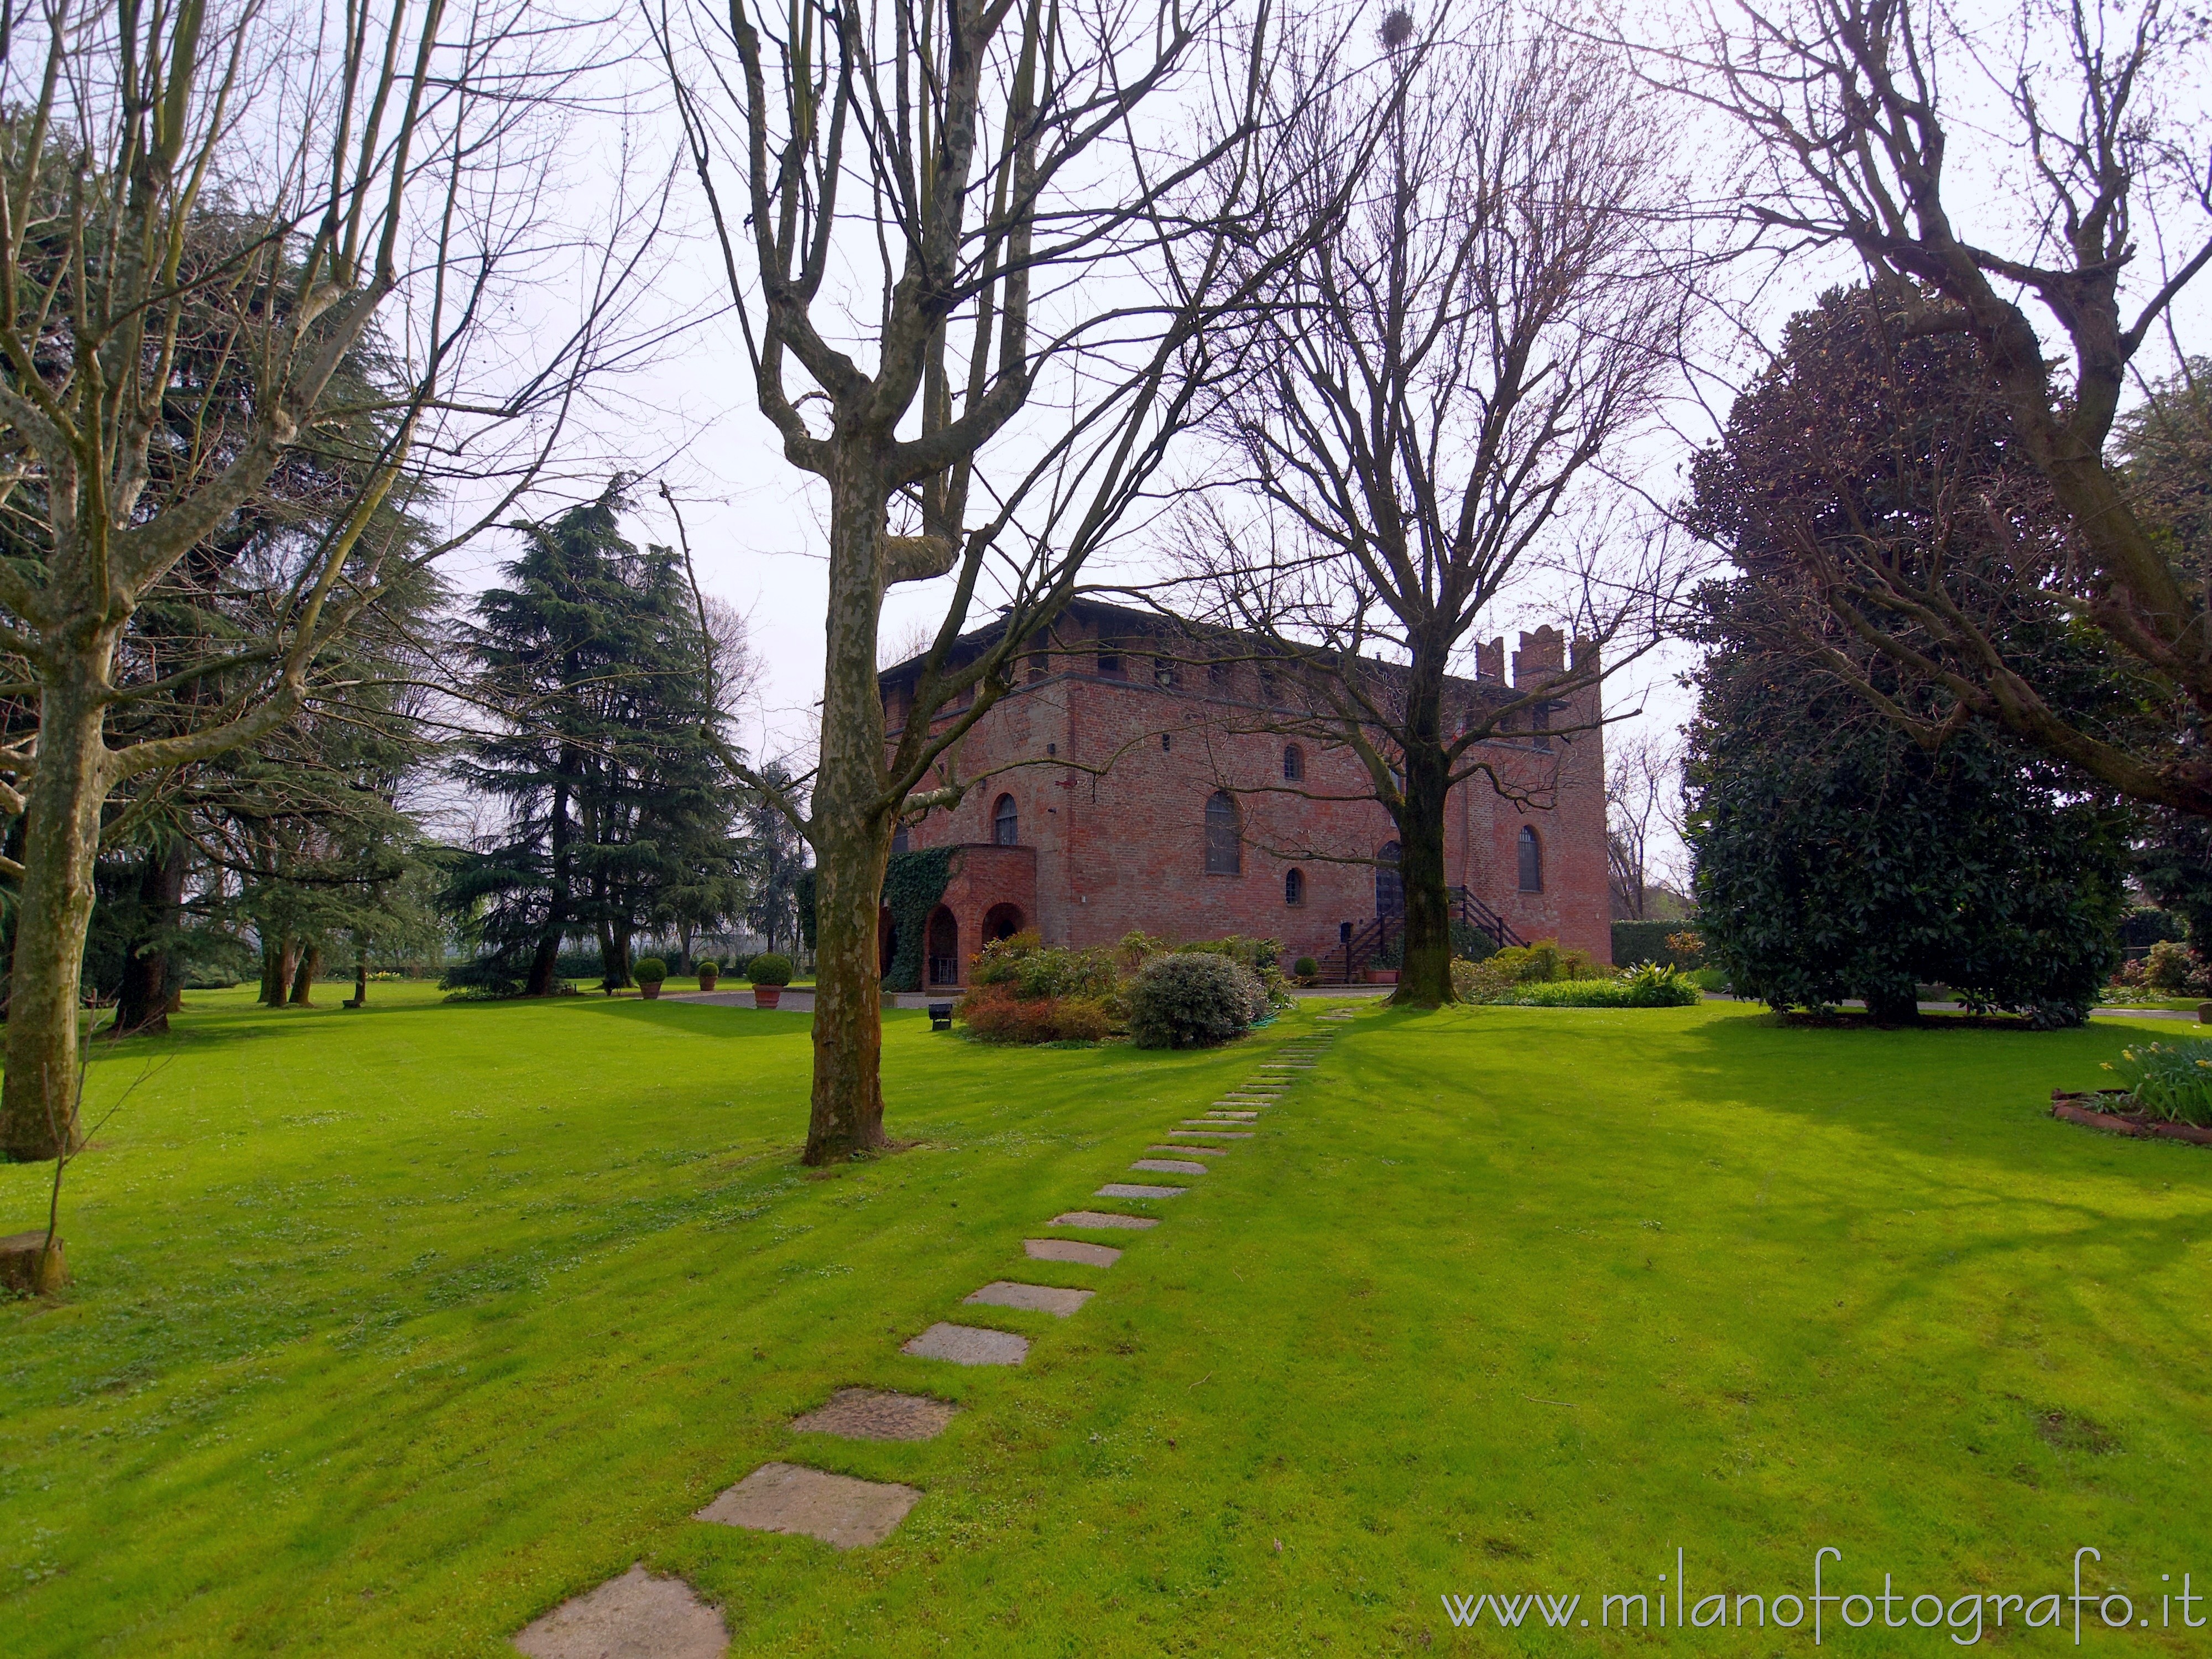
point(1306, 968)
point(1191, 1000)
point(768, 968)
point(648, 970)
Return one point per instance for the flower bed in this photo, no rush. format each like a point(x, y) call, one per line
point(2114, 1109)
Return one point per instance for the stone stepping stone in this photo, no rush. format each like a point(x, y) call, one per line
point(876, 1414)
point(635, 1616)
point(1131, 1189)
point(1070, 1249)
point(791, 1498)
point(1168, 1166)
point(1192, 1152)
point(1031, 1299)
point(1103, 1218)
point(968, 1345)
point(1217, 1134)
point(1234, 1117)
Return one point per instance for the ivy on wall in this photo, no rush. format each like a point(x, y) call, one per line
point(913, 883)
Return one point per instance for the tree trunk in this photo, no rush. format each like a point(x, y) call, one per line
point(1894, 1007)
point(303, 982)
point(360, 983)
point(544, 967)
point(278, 962)
point(852, 841)
point(61, 835)
point(143, 1009)
point(1424, 971)
point(545, 962)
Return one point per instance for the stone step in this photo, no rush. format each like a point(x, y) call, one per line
point(791, 1498)
point(968, 1345)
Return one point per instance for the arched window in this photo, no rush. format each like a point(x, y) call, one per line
point(1007, 822)
point(1294, 762)
point(1223, 854)
point(1389, 884)
point(1532, 861)
point(1294, 887)
point(900, 840)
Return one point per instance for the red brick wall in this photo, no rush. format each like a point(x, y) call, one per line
point(1120, 839)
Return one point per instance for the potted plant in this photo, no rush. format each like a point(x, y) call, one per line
point(709, 971)
point(1306, 971)
point(648, 972)
point(769, 974)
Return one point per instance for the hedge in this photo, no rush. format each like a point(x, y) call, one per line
point(1634, 942)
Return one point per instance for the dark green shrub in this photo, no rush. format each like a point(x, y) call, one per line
point(1191, 1001)
point(2142, 928)
point(648, 970)
point(768, 968)
point(1306, 968)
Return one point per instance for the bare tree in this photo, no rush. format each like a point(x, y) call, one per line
point(2001, 176)
point(947, 212)
point(1426, 388)
point(203, 214)
point(1643, 789)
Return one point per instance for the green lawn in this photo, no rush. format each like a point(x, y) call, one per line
point(392, 1329)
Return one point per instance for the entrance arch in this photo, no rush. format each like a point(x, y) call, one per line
point(886, 941)
point(1389, 884)
point(1003, 921)
point(943, 939)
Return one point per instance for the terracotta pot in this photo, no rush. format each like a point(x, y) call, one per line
point(707, 978)
point(651, 991)
point(767, 996)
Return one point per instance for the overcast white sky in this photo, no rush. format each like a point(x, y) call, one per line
point(756, 524)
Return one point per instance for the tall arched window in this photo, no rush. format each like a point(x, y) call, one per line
point(901, 841)
point(1389, 883)
point(1007, 822)
point(1294, 762)
point(1532, 861)
point(1223, 854)
point(1294, 887)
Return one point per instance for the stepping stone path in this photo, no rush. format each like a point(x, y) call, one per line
point(834, 1508)
point(635, 1616)
point(968, 1345)
point(1070, 1249)
point(1031, 1299)
point(638, 1616)
point(1103, 1218)
point(873, 1415)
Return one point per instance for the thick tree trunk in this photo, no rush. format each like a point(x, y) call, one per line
point(1424, 972)
point(61, 835)
point(544, 967)
point(1895, 1008)
point(303, 982)
point(852, 841)
point(279, 961)
point(1425, 976)
point(142, 1009)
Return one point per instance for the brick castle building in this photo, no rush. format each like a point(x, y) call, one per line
point(1141, 776)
